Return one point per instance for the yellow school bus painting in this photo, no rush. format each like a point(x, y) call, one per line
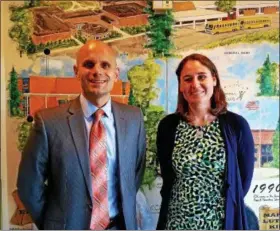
point(222, 26)
point(254, 22)
point(237, 24)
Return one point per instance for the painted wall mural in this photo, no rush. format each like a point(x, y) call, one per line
point(242, 38)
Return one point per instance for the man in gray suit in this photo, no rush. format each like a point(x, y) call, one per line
point(62, 171)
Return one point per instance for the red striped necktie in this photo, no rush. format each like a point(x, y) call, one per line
point(98, 165)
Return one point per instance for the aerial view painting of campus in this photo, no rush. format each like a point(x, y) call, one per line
point(151, 37)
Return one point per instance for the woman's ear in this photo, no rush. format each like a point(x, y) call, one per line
point(180, 85)
point(214, 81)
point(181, 89)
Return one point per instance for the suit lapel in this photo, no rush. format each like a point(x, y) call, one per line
point(121, 127)
point(79, 134)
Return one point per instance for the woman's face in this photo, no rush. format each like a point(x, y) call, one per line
point(197, 83)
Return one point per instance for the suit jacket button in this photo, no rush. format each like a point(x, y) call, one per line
point(90, 206)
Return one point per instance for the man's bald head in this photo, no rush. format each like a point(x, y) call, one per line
point(97, 70)
point(93, 46)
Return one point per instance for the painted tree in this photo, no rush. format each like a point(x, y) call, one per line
point(275, 146)
point(21, 30)
point(23, 134)
point(32, 3)
point(153, 115)
point(131, 98)
point(266, 79)
point(143, 79)
point(143, 91)
point(225, 5)
point(275, 78)
point(31, 48)
point(159, 32)
point(15, 94)
point(20, 34)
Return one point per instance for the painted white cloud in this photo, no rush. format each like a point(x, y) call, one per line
point(235, 109)
point(121, 64)
point(55, 64)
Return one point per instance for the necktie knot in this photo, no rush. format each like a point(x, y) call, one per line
point(98, 114)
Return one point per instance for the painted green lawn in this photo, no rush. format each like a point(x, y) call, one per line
point(255, 37)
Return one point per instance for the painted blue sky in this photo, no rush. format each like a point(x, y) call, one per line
point(266, 117)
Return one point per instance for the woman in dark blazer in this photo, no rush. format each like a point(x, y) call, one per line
point(206, 154)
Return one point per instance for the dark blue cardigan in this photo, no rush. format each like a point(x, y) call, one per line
point(239, 147)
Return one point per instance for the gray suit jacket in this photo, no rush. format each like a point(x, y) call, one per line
point(54, 181)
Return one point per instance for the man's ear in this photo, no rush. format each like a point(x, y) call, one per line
point(117, 73)
point(75, 68)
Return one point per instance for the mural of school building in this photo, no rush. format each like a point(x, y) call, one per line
point(244, 7)
point(53, 24)
point(40, 92)
point(194, 13)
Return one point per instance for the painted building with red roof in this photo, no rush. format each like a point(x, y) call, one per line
point(44, 92)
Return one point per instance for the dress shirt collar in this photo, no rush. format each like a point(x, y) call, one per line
point(89, 109)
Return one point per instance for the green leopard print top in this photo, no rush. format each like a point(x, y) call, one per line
point(198, 197)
